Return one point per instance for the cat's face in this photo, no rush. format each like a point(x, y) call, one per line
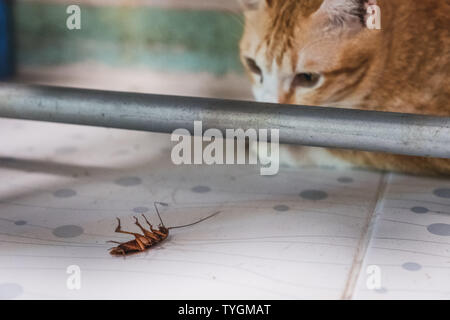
point(312, 52)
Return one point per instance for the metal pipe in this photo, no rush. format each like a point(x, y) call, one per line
point(312, 126)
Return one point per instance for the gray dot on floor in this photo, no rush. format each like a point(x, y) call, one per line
point(420, 210)
point(120, 152)
point(345, 180)
point(128, 181)
point(381, 290)
point(68, 231)
point(20, 222)
point(65, 193)
point(66, 150)
point(411, 266)
point(314, 195)
point(141, 209)
point(281, 208)
point(201, 189)
point(10, 291)
point(440, 229)
point(442, 193)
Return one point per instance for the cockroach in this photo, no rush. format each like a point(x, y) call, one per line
point(149, 238)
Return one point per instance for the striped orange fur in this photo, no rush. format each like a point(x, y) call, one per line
point(319, 52)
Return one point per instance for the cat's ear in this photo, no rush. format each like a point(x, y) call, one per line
point(346, 13)
point(255, 4)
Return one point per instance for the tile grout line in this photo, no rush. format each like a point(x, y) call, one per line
point(365, 239)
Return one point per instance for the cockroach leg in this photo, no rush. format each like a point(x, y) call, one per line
point(162, 232)
point(139, 225)
point(150, 225)
point(148, 234)
point(118, 225)
point(155, 232)
point(119, 230)
point(141, 240)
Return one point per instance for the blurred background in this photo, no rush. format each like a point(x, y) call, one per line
point(181, 47)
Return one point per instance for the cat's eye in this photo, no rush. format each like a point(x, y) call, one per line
point(306, 80)
point(253, 66)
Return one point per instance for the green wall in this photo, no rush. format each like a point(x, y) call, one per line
point(162, 39)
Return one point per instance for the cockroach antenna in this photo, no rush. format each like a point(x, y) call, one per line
point(157, 211)
point(186, 225)
point(191, 224)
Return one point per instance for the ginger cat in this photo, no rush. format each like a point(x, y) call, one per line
point(320, 52)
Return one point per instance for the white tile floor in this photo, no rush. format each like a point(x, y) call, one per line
point(411, 239)
point(305, 233)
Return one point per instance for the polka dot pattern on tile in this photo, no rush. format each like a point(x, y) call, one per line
point(345, 180)
point(141, 210)
point(281, 208)
point(439, 229)
point(66, 150)
point(65, 193)
point(128, 181)
point(442, 193)
point(120, 152)
point(411, 266)
point(314, 195)
point(420, 210)
point(201, 189)
point(381, 290)
point(68, 231)
point(10, 291)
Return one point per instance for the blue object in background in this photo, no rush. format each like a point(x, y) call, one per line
point(6, 58)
